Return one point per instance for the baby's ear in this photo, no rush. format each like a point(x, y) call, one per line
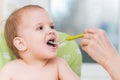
point(19, 43)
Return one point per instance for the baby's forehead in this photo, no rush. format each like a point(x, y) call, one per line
point(24, 12)
point(17, 14)
point(31, 13)
point(30, 9)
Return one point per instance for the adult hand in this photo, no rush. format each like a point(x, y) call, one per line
point(98, 46)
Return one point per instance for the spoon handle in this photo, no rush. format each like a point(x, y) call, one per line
point(69, 38)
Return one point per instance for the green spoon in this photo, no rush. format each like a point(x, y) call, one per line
point(68, 38)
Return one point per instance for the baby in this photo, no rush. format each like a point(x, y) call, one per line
point(29, 32)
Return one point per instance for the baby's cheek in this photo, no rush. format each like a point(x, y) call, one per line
point(57, 35)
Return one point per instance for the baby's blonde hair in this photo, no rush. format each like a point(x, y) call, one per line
point(11, 25)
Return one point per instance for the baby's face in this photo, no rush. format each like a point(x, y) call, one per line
point(37, 29)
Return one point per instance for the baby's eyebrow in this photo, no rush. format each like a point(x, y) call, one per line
point(35, 25)
point(51, 23)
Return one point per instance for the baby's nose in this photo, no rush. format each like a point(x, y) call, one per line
point(51, 31)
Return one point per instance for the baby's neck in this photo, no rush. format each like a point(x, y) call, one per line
point(32, 61)
point(36, 63)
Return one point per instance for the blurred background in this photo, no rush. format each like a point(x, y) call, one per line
point(72, 17)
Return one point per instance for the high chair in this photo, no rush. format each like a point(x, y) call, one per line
point(68, 50)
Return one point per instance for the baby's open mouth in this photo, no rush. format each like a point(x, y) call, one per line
point(51, 42)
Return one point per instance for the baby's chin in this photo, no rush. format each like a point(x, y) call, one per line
point(51, 55)
point(52, 49)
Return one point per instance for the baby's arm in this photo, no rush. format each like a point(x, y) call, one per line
point(5, 73)
point(65, 72)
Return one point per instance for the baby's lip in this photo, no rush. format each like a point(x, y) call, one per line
point(51, 41)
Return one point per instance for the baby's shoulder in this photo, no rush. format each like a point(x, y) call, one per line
point(8, 68)
point(60, 61)
point(10, 65)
